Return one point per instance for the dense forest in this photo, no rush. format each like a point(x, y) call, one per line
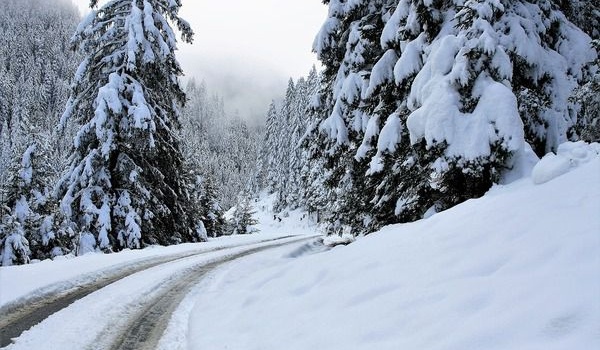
point(420, 105)
point(52, 142)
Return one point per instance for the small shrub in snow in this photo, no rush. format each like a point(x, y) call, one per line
point(243, 220)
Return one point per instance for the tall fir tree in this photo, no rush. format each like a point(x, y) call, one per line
point(126, 187)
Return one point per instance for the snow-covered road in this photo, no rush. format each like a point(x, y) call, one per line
point(126, 306)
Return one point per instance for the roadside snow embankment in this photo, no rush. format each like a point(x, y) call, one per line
point(516, 269)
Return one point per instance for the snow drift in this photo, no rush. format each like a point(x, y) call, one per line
point(516, 269)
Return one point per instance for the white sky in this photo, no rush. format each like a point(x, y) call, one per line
point(246, 50)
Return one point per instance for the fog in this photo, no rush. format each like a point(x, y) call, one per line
point(247, 50)
point(247, 87)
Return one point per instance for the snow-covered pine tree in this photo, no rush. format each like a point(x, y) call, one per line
point(311, 180)
point(585, 14)
point(29, 210)
point(217, 145)
point(17, 216)
point(47, 236)
point(14, 247)
point(270, 148)
point(347, 45)
point(284, 148)
point(284, 166)
point(265, 161)
point(125, 187)
point(548, 55)
point(212, 211)
point(35, 72)
point(297, 128)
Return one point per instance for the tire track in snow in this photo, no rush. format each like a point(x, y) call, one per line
point(25, 313)
point(145, 329)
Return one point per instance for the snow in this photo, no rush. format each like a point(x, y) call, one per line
point(51, 275)
point(322, 41)
point(201, 231)
point(410, 61)
point(390, 30)
point(73, 328)
point(437, 117)
point(351, 89)
point(371, 131)
point(140, 111)
point(520, 166)
point(26, 170)
point(22, 210)
point(550, 167)
point(389, 137)
point(568, 156)
point(390, 134)
point(334, 126)
point(106, 103)
point(382, 71)
point(516, 269)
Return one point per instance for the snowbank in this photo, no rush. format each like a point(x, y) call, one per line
point(26, 280)
point(568, 156)
point(19, 281)
point(516, 269)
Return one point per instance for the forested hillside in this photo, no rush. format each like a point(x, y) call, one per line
point(425, 104)
point(77, 174)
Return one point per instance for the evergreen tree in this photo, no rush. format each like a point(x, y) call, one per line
point(126, 187)
point(243, 217)
point(213, 213)
point(270, 148)
point(587, 99)
point(347, 45)
point(284, 166)
point(30, 211)
point(34, 75)
point(14, 247)
point(216, 145)
point(17, 215)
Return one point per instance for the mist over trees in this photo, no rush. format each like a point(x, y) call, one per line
point(220, 151)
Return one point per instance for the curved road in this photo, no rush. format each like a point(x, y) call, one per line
point(146, 327)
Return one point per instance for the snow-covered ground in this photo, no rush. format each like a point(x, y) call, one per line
point(22, 281)
point(516, 269)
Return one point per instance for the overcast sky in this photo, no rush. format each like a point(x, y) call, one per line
point(246, 50)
